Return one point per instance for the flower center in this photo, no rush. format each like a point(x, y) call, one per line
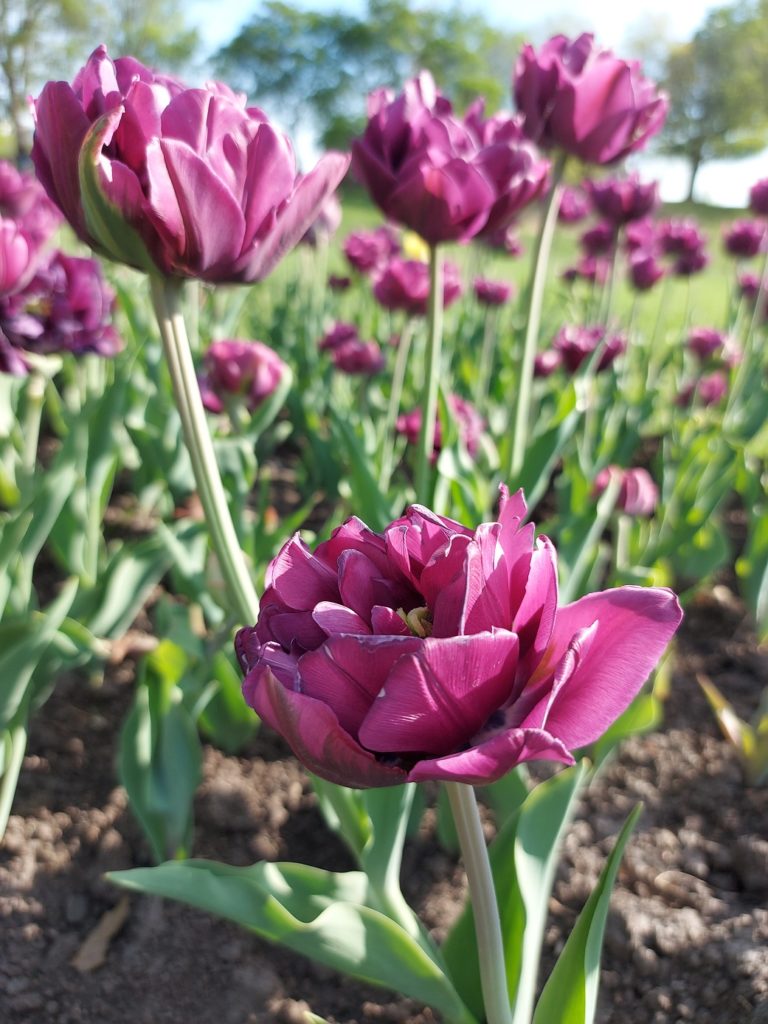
point(418, 620)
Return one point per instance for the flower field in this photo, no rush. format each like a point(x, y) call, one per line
point(384, 573)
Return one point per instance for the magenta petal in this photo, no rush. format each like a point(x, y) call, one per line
point(336, 618)
point(347, 672)
point(490, 760)
point(300, 579)
point(314, 734)
point(61, 130)
point(634, 626)
point(436, 699)
point(213, 221)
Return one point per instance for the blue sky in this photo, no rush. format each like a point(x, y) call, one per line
point(724, 182)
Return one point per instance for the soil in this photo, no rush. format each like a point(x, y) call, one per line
point(687, 938)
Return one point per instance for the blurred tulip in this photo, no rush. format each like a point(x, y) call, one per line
point(710, 389)
point(176, 181)
point(368, 251)
point(644, 270)
point(744, 238)
point(468, 420)
point(705, 341)
point(581, 99)
point(432, 651)
point(573, 206)
point(337, 335)
point(326, 223)
point(622, 200)
point(492, 293)
point(546, 362)
point(638, 494)
point(404, 285)
point(363, 358)
point(758, 197)
point(249, 370)
point(23, 200)
point(599, 240)
point(444, 178)
point(589, 268)
point(576, 344)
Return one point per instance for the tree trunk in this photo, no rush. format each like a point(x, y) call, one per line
point(695, 164)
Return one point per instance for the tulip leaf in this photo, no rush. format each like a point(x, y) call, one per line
point(317, 913)
point(752, 568)
point(371, 505)
point(545, 449)
point(160, 754)
point(226, 718)
point(345, 814)
point(570, 993)
point(106, 223)
point(523, 860)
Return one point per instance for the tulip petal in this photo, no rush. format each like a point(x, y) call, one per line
point(490, 760)
point(301, 579)
point(336, 618)
point(61, 130)
point(436, 699)
point(347, 673)
point(634, 626)
point(314, 734)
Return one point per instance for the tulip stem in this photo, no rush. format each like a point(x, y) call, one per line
point(166, 298)
point(426, 441)
point(569, 588)
point(35, 395)
point(535, 293)
point(490, 944)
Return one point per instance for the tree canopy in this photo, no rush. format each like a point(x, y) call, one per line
point(718, 85)
point(315, 68)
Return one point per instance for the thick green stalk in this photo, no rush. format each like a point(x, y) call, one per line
point(431, 378)
point(166, 298)
point(535, 293)
point(490, 945)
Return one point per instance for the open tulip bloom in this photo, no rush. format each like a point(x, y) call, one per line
point(432, 651)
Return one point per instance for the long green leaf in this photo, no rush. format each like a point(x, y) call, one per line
point(316, 913)
point(570, 994)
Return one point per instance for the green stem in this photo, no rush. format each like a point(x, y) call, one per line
point(33, 413)
point(487, 353)
point(166, 298)
point(603, 512)
point(431, 378)
point(490, 945)
point(393, 408)
point(535, 302)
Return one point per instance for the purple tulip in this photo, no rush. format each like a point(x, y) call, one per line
point(589, 268)
point(710, 389)
point(744, 238)
point(641, 234)
point(360, 358)
point(680, 237)
point(749, 285)
point(404, 285)
point(621, 200)
point(444, 178)
point(579, 98)
point(368, 251)
point(638, 494)
point(339, 282)
point(704, 342)
point(576, 344)
point(505, 240)
point(23, 199)
point(573, 206)
point(66, 307)
point(184, 182)
point(468, 420)
point(644, 270)
point(492, 293)
point(337, 335)
point(12, 361)
point(249, 370)
point(546, 362)
point(432, 651)
point(758, 197)
point(690, 263)
point(599, 240)
point(18, 257)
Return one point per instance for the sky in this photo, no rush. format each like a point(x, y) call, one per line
point(724, 182)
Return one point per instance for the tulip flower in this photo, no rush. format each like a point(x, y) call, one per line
point(744, 238)
point(576, 345)
point(546, 362)
point(680, 237)
point(638, 494)
point(581, 99)
point(339, 282)
point(18, 257)
point(178, 182)
point(491, 293)
point(758, 197)
point(404, 285)
point(644, 270)
point(361, 358)
point(573, 206)
point(704, 342)
point(589, 268)
point(749, 285)
point(432, 651)
point(23, 200)
point(326, 223)
point(368, 251)
point(599, 240)
point(710, 389)
point(641, 234)
point(337, 335)
point(505, 240)
point(468, 420)
point(621, 200)
point(249, 370)
point(444, 178)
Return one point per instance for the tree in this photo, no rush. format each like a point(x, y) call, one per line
point(314, 68)
point(44, 39)
point(717, 85)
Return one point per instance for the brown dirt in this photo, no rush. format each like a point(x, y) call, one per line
point(687, 939)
